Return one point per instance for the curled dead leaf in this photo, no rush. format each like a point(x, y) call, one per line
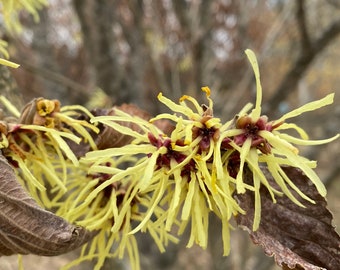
point(110, 138)
point(298, 238)
point(26, 228)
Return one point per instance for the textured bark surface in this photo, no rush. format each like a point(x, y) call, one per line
point(298, 238)
point(26, 228)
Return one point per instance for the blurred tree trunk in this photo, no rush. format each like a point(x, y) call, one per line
point(310, 48)
point(9, 87)
point(98, 19)
point(196, 25)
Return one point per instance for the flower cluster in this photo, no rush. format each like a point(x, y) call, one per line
point(37, 143)
point(179, 178)
point(160, 182)
point(259, 141)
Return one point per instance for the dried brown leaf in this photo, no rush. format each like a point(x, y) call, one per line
point(110, 138)
point(26, 228)
point(298, 238)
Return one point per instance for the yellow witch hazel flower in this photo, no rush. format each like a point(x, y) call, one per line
point(110, 210)
point(160, 181)
point(201, 182)
point(179, 178)
point(259, 141)
point(37, 143)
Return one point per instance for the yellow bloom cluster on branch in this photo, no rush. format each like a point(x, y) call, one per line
point(37, 143)
point(161, 183)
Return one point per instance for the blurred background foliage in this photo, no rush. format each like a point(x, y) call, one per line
point(107, 52)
